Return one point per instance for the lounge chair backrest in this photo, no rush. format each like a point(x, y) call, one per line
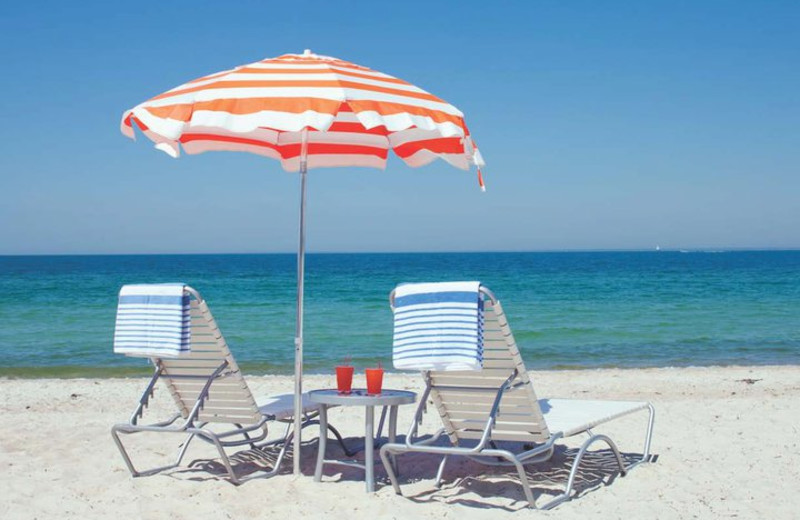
point(229, 398)
point(464, 399)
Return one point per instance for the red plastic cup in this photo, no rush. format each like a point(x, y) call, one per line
point(374, 380)
point(344, 379)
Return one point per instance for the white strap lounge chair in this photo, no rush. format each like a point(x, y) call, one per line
point(498, 403)
point(213, 401)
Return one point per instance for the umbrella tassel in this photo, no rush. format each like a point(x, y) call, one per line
point(480, 180)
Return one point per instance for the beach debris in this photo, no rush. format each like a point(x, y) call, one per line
point(748, 381)
point(74, 396)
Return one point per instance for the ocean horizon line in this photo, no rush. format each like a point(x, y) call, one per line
point(448, 252)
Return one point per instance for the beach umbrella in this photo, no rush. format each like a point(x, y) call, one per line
point(308, 111)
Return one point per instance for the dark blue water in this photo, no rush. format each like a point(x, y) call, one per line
point(626, 309)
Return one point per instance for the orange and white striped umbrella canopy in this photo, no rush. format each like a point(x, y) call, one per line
point(334, 112)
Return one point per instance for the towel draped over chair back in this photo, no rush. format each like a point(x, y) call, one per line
point(438, 326)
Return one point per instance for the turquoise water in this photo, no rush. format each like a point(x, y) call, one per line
point(584, 310)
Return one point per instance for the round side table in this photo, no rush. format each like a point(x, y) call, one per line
point(358, 397)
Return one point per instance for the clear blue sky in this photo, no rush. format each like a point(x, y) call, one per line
point(605, 125)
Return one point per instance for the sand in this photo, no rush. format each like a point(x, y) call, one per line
point(726, 439)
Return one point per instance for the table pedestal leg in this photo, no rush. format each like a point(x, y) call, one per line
point(393, 433)
point(380, 424)
point(369, 449)
point(323, 441)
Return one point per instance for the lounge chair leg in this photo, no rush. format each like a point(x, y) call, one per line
point(124, 428)
point(224, 456)
point(287, 438)
point(439, 472)
point(650, 422)
point(523, 477)
point(646, 457)
point(123, 451)
point(183, 449)
point(567, 494)
point(385, 453)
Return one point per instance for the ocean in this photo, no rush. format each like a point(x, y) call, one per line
point(567, 310)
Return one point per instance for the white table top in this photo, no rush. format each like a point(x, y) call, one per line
point(360, 397)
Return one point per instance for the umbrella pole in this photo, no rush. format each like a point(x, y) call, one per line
point(298, 339)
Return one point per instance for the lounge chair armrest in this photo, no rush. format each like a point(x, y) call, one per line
point(160, 424)
point(421, 406)
point(203, 395)
point(144, 400)
point(487, 430)
point(435, 437)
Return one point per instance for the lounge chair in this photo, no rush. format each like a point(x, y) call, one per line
point(498, 404)
point(209, 390)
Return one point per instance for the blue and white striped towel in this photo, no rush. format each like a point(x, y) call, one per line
point(438, 326)
point(153, 321)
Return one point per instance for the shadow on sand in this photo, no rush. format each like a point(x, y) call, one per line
point(465, 481)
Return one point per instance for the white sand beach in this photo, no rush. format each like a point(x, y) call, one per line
point(726, 438)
